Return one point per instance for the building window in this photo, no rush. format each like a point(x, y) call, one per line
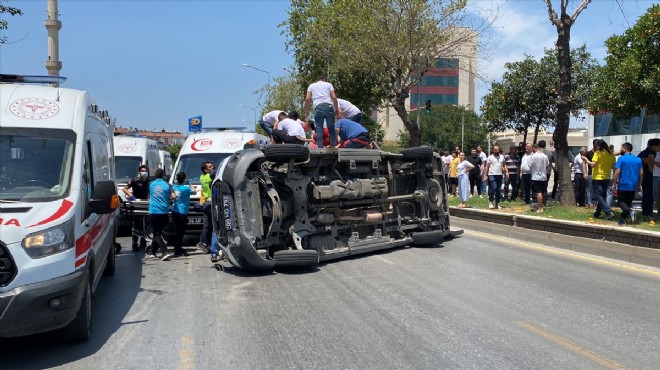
point(440, 81)
point(446, 63)
point(436, 99)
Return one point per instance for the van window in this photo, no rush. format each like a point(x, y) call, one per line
point(35, 164)
point(191, 164)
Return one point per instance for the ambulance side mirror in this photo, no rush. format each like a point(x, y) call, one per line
point(104, 193)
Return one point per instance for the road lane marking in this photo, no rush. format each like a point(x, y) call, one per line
point(589, 355)
point(187, 353)
point(385, 260)
point(562, 252)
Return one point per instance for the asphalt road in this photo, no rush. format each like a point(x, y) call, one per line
point(477, 302)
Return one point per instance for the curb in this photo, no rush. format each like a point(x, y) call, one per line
point(638, 246)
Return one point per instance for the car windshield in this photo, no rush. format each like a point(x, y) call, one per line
point(126, 168)
point(35, 164)
point(191, 164)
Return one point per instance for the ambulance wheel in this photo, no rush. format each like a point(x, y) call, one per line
point(80, 329)
point(285, 152)
point(109, 269)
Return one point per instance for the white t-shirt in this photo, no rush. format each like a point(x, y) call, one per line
point(464, 167)
point(495, 165)
point(577, 164)
point(538, 165)
point(656, 169)
point(321, 92)
point(271, 117)
point(291, 127)
point(525, 162)
point(348, 108)
point(446, 159)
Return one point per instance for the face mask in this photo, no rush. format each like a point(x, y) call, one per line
point(143, 174)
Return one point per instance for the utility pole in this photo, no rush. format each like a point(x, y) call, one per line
point(53, 25)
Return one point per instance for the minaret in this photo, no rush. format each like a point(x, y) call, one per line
point(53, 25)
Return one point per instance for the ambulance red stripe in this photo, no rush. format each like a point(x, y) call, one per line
point(64, 208)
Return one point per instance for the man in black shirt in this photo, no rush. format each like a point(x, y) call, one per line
point(140, 187)
point(475, 173)
point(648, 157)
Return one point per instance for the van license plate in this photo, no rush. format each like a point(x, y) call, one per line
point(195, 220)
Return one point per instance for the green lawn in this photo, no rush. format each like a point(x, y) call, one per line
point(558, 212)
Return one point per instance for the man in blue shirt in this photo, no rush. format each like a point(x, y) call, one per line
point(160, 194)
point(180, 209)
point(628, 175)
point(352, 134)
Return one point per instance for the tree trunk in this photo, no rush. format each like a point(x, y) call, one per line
point(560, 136)
point(536, 130)
point(415, 133)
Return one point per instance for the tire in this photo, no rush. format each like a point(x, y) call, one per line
point(80, 329)
point(285, 152)
point(417, 152)
point(427, 238)
point(110, 265)
point(296, 258)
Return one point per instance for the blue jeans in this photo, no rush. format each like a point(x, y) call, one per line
point(266, 127)
point(600, 189)
point(527, 187)
point(325, 112)
point(356, 118)
point(590, 191)
point(215, 247)
point(494, 188)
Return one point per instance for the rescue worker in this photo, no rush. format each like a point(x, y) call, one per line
point(352, 134)
point(140, 187)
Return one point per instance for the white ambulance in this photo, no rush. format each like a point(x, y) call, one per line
point(166, 162)
point(212, 144)
point(58, 206)
point(132, 151)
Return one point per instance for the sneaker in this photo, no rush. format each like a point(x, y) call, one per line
point(153, 256)
point(632, 217)
point(498, 206)
point(609, 216)
point(596, 214)
point(622, 222)
point(214, 258)
point(165, 257)
point(539, 211)
point(490, 205)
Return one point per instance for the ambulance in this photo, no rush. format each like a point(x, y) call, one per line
point(58, 207)
point(215, 145)
point(132, 151)
point(165, 162)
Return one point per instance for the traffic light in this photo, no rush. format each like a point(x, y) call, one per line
point(428, 106)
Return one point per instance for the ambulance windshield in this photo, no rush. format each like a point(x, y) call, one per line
point(35, 164)
point(126, 168)
point(191, 164)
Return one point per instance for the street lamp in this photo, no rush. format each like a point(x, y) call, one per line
point(254, 109)
point(266, 72)
point(463, 127)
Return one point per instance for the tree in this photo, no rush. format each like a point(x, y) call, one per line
point(442, 128)
point(630, 79)
point(563, 23)
point(375, 51)
point(526, 96)
point(174, 150)
point(3, 22)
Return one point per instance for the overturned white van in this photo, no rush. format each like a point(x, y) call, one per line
point(58, 206)
point(213, 144)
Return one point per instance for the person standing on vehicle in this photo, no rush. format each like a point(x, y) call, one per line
point(602, 165)
point(352, 134)
point(494, 172)
point(268, 121)
point(628, 175)
point(464, 167)
point(321, 95)
point(160, 194)
point(207, 227)
point(349, 111)
point(140, 187)
point(180, 209)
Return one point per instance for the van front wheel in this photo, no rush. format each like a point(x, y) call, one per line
point(80, 329)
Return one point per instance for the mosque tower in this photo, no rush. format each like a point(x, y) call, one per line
point(53, 25)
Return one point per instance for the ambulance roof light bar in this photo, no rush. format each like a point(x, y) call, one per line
point(7, 78)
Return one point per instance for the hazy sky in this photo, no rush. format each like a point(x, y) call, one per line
point(155, 63)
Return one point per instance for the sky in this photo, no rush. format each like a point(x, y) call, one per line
point(156, 63)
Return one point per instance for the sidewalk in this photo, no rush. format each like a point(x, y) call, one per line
point(631, 245)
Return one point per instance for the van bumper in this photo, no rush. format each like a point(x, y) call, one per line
point(25, 310)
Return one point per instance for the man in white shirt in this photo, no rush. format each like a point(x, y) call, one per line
point(290, 130)
point(268, 121)
point(538, 165)
point(494, 172)
point(483, 157)
point(526, 173)
point(580, 177)
point(446, 160)
point(321, 95)
point(349, 111)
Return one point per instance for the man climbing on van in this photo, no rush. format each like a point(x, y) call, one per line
point(140, 187)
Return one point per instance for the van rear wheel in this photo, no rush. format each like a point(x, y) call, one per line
point(80, 329)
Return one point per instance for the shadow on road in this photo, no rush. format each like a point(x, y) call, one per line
point(113, 299)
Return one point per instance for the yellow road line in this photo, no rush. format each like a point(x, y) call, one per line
point(187, 353)
point(589, 355)
point(385, 260)
point(511, 241)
